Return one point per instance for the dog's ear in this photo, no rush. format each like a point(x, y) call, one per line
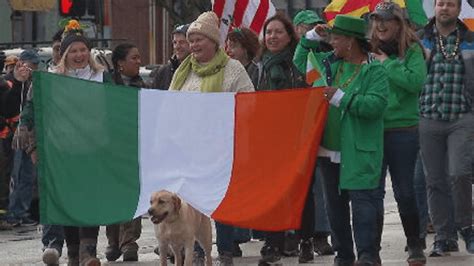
point(176, 202)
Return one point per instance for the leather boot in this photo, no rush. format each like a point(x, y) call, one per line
point(88, 252)
point(415, 251)
point(73, 255)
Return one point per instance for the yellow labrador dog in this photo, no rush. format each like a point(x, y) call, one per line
point(178, 225)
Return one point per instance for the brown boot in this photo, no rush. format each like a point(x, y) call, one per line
point(88, 252)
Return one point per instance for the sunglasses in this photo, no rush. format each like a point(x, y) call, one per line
point(385, 6)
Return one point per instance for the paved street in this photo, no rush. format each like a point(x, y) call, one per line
point(23, 246)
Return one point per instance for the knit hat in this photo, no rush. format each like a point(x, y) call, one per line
point(206, 24)
point(307, 17)
point(349, 26)
point(73, 33)
point(30, 56)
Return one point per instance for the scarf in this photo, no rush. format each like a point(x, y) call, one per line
point(212, 73)
point(389, 48)
point(276, 67)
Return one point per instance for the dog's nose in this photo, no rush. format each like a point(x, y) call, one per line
point(150, 211)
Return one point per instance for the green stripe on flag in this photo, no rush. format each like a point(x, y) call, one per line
point(88, 150)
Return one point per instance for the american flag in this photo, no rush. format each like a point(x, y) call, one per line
point(242, 13)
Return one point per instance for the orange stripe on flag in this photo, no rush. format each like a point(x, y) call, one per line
point(469, 23)
point(312, 76)
point(277, 135)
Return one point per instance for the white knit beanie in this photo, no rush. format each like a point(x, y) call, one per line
point(206, 24)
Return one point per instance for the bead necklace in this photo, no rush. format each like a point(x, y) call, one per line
point(442, 47)
point(349, 80)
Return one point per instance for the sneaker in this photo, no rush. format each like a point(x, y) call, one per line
point(306, 251)
point(468, 236)
point(225, 259)
point(51, 256)
point(272, 256)
point(28, 222)
point(322, 246)
point(440, 249)
point(236, 251)
point(112, 253)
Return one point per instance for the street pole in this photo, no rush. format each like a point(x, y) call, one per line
point(152, 32)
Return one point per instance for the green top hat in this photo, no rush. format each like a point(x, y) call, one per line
point(307, 17)
point(349, 26)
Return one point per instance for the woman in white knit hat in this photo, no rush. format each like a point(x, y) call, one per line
point(209, 69)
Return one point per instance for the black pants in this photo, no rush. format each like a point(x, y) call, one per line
point(73, 234)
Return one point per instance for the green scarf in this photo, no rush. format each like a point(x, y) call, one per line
point(276, 67)
point(212, 73)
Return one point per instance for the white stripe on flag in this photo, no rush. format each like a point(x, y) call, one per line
point(227, 15)
point(467, 10)
point(250, 12)
point(186, 146)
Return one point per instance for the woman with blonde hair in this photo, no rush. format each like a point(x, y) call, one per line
point(77, 61)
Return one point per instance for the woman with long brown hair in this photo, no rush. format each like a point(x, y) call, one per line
point(397, 47)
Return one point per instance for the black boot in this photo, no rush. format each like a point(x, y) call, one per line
point(415, 251)
point(306, 251)
point(73, 255)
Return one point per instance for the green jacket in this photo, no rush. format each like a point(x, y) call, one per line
point(362, 109)
point(406, 78)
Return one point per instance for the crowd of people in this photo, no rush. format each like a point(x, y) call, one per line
point(400, 102)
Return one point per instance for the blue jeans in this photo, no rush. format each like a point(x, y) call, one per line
point(321, 221)
point(21, 186)
point(420, 194)
point(400, 154)
point(366, 207)
point(53, 237)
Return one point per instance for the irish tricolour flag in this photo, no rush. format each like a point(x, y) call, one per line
point(242, 158)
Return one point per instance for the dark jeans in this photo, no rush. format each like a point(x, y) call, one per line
point(226, 235)
point(366, 204)
point(6, 164)
point(400, 153)
point(420, 194)
point(22, 181)
point(53, 237)
point(73, 235)
point(321, 225)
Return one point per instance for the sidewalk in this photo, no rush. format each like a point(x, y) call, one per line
point(22, 246)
